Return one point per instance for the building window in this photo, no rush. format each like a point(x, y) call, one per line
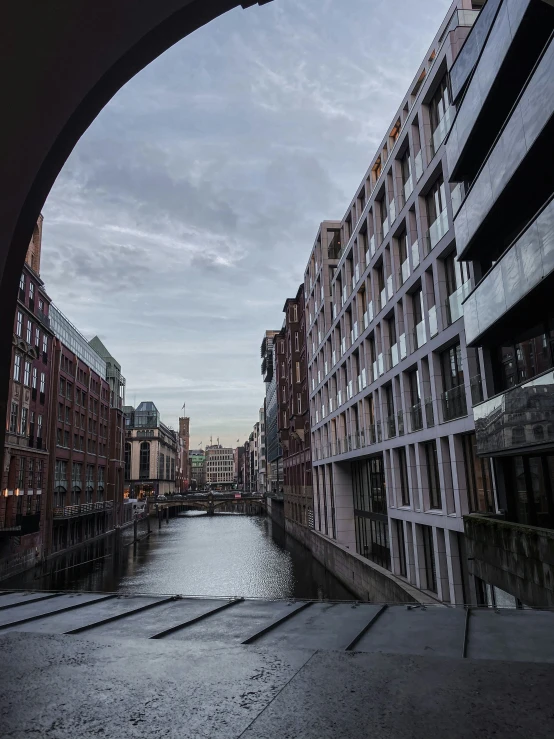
point(22, 287)
point(433, 479)
point(29, 332)
point(31, 291)
point(403, 470)
point(297, 371)
point(27, 373)
point(37, 337)
point(44, 343)
point(43, 382)
point(299, 403)
point(34, 378)
point(429, 556)
point(17, 367)
point(39, 427)
point(13, 418)
point(144, 460)
point(24, 414)
point(19, 325)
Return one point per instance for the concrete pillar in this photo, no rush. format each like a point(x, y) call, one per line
point(419, 558)
point(344, 505)
point(443, 586)
point(410, 558)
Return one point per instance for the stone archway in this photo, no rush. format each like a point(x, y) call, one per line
point(61, 63)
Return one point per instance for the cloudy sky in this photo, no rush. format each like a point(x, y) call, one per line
point(185, 216)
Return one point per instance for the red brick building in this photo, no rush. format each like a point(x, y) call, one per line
point(25, 465)
point(293, 416)
point(82, 499)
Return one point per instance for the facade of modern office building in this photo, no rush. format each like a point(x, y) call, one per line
point(500, 151)
point(391, 378)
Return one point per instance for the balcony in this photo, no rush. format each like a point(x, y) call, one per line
point(418, 162)
point(404, 272)
point(516, 558)
point(454, 404)
point(416, 417)
point(420, 334)
point(497, 306)
point(390, 287)
point(86, 509)
point(392, 212)
point(364, 379)
point(436, 231)
point(433, 324)
point(429, 412)
point(383, 297)
point(453, 304)
point(408, 188)
point(402, 346)
point(394, 355)
point(371, 246)
point(442, 129)
point(520, 419)
point(390, 425)
point(513, 179)
point(456, 196)
point(400, 422)
point(415, 254)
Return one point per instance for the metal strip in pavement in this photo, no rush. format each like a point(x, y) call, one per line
point(58, 610)
point(31, 600)
point(119, 616)
point(366, 628)
point(184, 624)
point(274, 624)
point(466, 633)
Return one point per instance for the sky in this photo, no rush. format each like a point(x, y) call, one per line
point(186, 214)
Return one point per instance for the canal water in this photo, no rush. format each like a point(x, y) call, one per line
point(195, 554)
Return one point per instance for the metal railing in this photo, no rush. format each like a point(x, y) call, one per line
point(454, 404)
point(429, 412)
point(416, 417)
point(71, 511)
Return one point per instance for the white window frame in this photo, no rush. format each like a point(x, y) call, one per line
point(17, 367)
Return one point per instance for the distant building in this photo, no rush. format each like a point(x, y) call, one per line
point(197, 464)
point(151, 450)
point(220, 466)
point(262, 454)
point(274, 479)
point(184, 468)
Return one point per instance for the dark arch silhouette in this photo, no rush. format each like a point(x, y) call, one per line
point(61, 62)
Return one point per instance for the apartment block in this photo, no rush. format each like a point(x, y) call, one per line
point(500, 152)
point(293, 416)
point(391, 378)
point(274, 452)
point(220, 466)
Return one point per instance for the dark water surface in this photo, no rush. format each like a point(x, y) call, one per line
point(221, 555)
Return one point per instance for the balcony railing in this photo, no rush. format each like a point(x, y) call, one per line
point(418, 161)
point(420, 334)
point(408, 188)
point(416, 417)
point(402, 346)
point(454, 308)
point(436, 231)
point(429, 413)
point(394, 355)
point(433, 324)
point(457, 195)
point(400, 422)
point(404, 272)
point(454, 403)
point(390, 425)
point(476, 389)
point(415, 254)
point(443, 127)
point(390, 287)
point(72, 511)
point(392, 212)
point(383, 297)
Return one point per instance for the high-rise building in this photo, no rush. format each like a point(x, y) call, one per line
point(500, 152)
point(26, 449)
point(390, 374)
point(293, 415)
point(151, 450)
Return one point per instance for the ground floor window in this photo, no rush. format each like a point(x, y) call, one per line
point(493, 597)
point(429, 555)
point(478, 477)
point(372, 538)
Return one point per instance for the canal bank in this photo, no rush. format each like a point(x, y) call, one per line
point(367, 580)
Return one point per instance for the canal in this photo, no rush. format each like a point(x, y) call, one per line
point(195, 554)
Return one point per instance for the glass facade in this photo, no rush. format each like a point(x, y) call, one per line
point(75, 341)
point(370, 510)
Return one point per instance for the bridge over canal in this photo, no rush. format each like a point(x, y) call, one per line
point(231, 502)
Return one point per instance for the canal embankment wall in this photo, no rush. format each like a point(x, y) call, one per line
point(367, 580)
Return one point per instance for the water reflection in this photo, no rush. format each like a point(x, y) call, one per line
point(222, 555)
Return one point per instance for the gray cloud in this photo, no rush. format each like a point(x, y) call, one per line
point(184, 217)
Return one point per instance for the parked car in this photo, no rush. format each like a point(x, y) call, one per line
point(161, 497)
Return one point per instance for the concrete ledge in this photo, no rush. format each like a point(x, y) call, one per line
point(367, 580)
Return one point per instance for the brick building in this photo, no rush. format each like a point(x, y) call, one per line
point(25, 465)
point(81, 500)
point(293, 416)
